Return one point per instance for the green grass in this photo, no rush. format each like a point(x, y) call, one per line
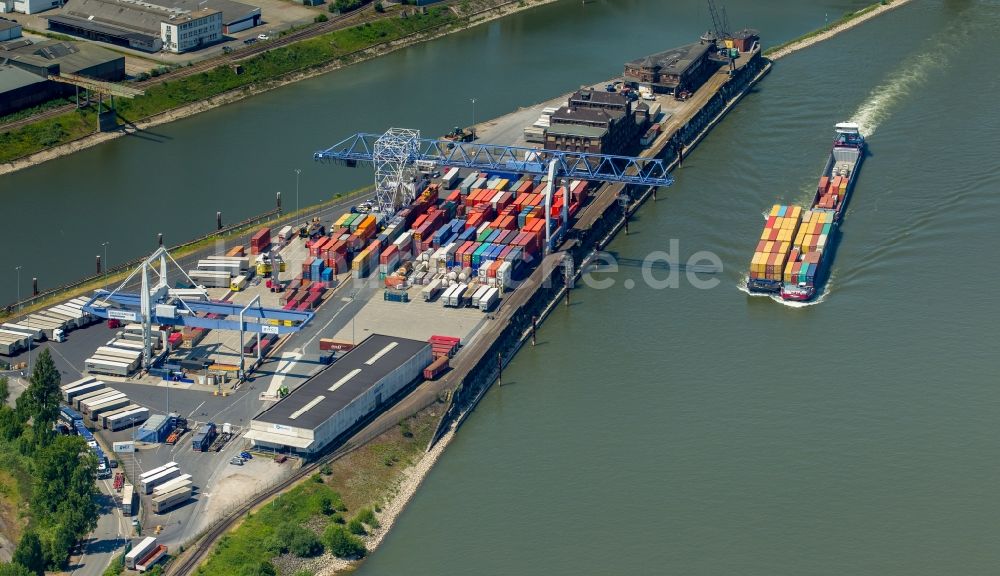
point(268, 66)
point(842, 20)
point(358, 481)
point(28, 112)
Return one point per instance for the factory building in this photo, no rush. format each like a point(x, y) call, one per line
point(9, 30)
point(25, 68)
point(594, 122)
point(674, 71)
point(332, 402)
point(28, 6)
point(172, 25)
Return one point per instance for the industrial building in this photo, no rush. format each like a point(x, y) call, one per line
point(171, 25)
point(25, 68)
point(594, 122)
point(9, 30)
point(674, 71)
point(331, 402)
point(28, 6)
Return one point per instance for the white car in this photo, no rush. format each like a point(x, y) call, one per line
point(263, 37)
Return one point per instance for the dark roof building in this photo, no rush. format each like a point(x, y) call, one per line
point(333, 401)
point(675, 70)
point(20, 89)
point(9, 30)
point(56, 56)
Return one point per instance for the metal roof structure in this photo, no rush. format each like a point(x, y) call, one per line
point(12, 78)
point(576, 130)
point(673, 61)
point(326, 393)
point(71, 57)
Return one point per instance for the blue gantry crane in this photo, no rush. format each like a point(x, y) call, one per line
point(395, 153)
point(157, 304)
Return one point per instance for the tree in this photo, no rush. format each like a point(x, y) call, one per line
point(262, 569)
point(41, 399)
point(63, 494)
point(379, 7)
point(11, 424)
point(14, 569)
point(4, 390)
point(29, 554)
point(299, 540)
point(342, 543)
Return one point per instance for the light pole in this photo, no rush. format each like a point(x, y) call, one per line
point(105, 244)
point(297, 172)
point(18, 268)
point(473, 119)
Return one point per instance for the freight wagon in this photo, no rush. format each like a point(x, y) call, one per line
point(75, 384)
point(489, 300)
point(232, 267)
point(168, 501)
point(70, 417)
point(125, 355)
point(242, 261)
point(13, 344)
point(432, 290)
point(155, 471)
point(123, 420)
point(128, 499)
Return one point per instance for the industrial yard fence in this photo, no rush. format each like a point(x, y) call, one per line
point(224, 232)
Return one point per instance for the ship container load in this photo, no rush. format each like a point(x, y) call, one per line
point(147, 484)
point(102, 390)
point(152, 558)
point(108, 366)
point(108, 405)
point(166, 502)
point(181, 481)
point(139, 551)
point(84, 404)
point(242, 261)
point(125, 420)
point(128, 499)
point(65, 388)
point(157, 470)
point(35, 333)
point(807, 254)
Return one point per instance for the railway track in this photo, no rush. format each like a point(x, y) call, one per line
point(237, 55)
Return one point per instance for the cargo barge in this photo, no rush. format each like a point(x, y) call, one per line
point(793, 250)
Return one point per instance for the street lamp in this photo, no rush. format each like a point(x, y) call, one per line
point(105, 244)
point(297, 172)
point(473, 119)
point(18, 268)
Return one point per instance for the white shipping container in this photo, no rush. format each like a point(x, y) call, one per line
point(480, 292)
point(139, 551)
point(431, 291)
point(489, 300)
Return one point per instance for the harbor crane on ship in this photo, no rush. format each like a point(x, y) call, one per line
point(157, 304)
point(396, 154)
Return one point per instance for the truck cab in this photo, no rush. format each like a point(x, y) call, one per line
point(58, 335)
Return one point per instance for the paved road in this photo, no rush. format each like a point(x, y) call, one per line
point(107, 540)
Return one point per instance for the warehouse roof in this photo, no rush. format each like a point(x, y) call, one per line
point(591, 115)
point(328, 392)
point(7, 24)
point(673, 61)
point(146, 16)
point(71, 57)
point(12, 78)
point(576, 130)
point(112, 30)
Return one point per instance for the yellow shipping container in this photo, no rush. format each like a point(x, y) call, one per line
point(784, 235)
point(775, 209)
point(796, 212)
point(340, 221)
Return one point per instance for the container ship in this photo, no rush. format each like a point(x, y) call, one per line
point(792, 250)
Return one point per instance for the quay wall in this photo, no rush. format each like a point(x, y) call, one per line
point(542, 291)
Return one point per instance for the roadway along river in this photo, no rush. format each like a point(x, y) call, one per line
point(685, 430)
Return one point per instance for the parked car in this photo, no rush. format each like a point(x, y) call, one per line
point(246, 455)
point(263, 37)
point(249, 40)
point(236, 460)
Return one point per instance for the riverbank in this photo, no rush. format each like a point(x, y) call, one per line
point(847, 22)
point(441, 25)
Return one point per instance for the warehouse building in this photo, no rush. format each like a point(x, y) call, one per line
point(28, 6)
point(9, 30)
point(20, 89)
point(25, 67)
point(172, 25)
point(594, 122)
point(333, 401)
point(679, 69)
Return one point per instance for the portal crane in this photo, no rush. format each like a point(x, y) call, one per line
point(158, 304)
point(395, 153)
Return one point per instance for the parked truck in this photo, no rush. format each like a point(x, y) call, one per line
point(203, 439)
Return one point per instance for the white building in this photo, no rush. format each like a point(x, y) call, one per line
point(191, 30)
point(28, 6)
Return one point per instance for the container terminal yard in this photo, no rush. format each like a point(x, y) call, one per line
point(326, 332)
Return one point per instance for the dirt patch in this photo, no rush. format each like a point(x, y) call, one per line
point(11, 523)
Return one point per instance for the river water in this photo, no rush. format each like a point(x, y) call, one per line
point(683, 430)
